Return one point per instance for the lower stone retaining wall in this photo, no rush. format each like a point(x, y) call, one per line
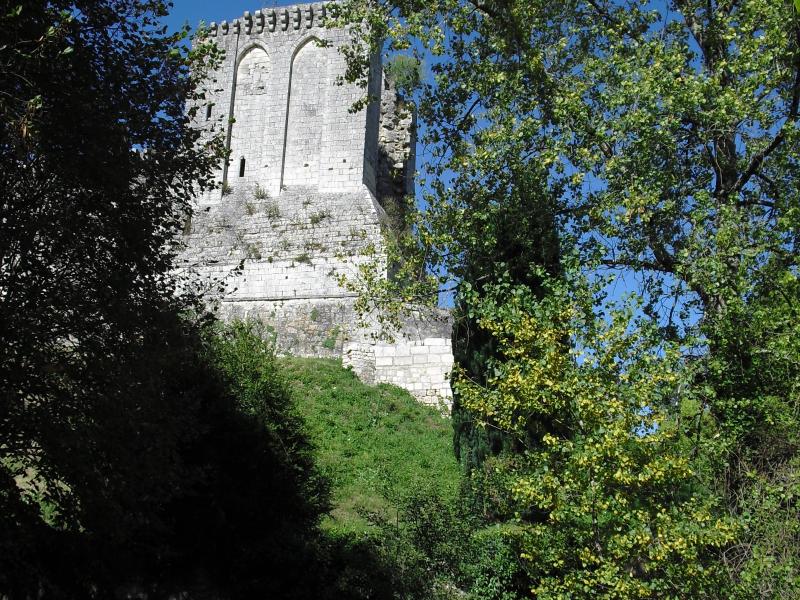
point(417, 358)
point(314, 327)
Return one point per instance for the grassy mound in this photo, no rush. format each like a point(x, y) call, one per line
point(374, 443)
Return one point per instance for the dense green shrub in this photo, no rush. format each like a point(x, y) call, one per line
point(495, 571)
point(234, 498)
point(434, 547)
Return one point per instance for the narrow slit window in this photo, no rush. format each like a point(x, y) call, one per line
point(241, 167)
point(208, 112)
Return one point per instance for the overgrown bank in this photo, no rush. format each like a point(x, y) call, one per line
point(373, 443)
point(403, 522)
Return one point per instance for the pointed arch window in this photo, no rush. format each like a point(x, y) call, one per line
point(248, 108)
point(305, 118)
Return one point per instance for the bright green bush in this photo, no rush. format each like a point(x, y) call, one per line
point(495, 571)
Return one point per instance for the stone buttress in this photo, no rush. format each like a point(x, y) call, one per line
point(307, 189)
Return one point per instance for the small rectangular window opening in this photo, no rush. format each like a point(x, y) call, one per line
point(241, 167)
point(208, 112)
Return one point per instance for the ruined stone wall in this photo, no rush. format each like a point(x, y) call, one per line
point(304, 198)
point(418, 357)
point(397, 141)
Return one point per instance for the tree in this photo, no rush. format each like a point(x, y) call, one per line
point(98, 165)
point(612, 505)
point(666, 140)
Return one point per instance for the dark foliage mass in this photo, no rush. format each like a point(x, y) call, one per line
point(230, 509)
point(97, 166)
point(132, 456)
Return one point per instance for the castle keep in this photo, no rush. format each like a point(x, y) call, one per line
point(304, 196)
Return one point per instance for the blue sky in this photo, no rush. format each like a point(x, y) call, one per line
point(194, 11)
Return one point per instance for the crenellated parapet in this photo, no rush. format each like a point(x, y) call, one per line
point(290, 18)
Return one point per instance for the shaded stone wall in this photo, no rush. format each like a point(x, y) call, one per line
point(397, 141)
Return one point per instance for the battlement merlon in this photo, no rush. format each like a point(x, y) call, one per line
point(279, 100)
point(299, 16)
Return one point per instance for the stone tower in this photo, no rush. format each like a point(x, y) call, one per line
point(304, 196)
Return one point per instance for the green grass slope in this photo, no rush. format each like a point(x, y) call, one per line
point(373, 442)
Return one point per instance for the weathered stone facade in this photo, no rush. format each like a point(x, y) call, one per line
point(305, 195)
